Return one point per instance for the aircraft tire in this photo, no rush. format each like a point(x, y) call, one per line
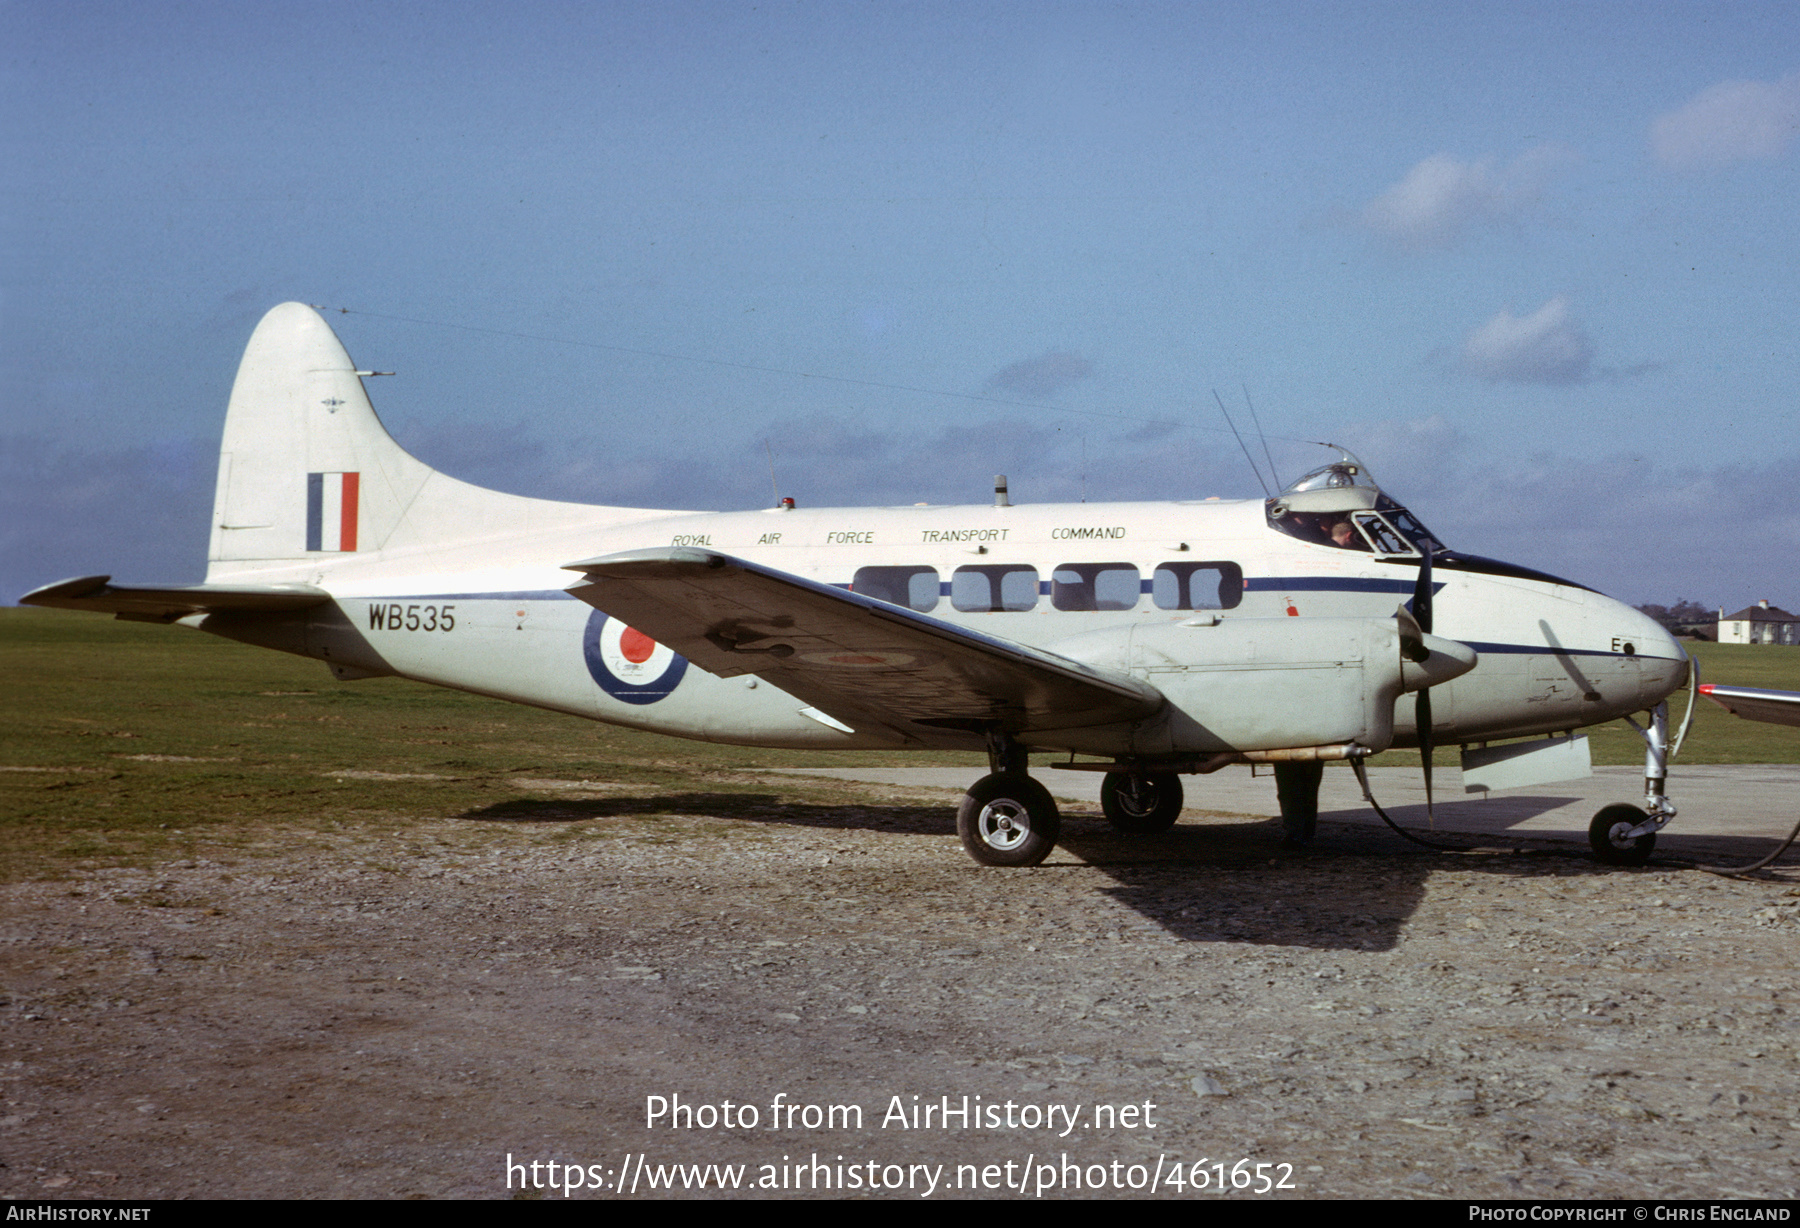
point(1141, 804)
point(1606, 845)
point(1008, 819)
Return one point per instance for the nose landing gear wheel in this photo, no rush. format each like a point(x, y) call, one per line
point(1141, 804)
point(1606, 834)
point(1008, 819)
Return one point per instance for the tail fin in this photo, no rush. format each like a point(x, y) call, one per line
point(306, 469)
point(309, 479)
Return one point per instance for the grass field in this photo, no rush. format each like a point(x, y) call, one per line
point(121, 742)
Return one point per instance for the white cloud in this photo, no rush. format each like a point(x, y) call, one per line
point(1441, 199)
point(1729, 122)
point(1546, 347)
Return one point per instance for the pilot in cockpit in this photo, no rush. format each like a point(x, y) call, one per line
point(1344, 535)
point(1339, 505)
point(1326, 530)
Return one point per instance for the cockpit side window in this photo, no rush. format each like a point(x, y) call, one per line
point(1410, 528)
point(1381, 534)
point(1390, 531)
point(1335, 529)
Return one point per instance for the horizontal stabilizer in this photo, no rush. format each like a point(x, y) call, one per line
point(1756, 704)
point(859, 659)
point(165, 605)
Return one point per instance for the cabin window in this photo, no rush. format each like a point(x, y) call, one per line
point(994, 587)
point(1197, 586)
point(916, 588)
point(1094, 586)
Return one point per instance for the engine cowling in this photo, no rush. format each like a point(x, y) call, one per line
point(1243, 684)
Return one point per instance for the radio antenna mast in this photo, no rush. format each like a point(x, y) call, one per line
point(1261, 436)
point(1267, 493)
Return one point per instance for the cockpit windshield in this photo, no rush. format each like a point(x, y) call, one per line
point(1339, 505)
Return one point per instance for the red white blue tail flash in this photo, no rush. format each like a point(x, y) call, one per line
point(331, 501)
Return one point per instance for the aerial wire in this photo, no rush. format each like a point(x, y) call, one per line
point(748, 366)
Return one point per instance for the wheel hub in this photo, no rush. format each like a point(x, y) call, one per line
point(1005, 824)
point(1138, 797)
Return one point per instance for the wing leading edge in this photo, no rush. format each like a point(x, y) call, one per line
point(165, 605)
point(1755, 704)
point(861, 660)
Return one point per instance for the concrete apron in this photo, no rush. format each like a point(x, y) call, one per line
point(1733, 811)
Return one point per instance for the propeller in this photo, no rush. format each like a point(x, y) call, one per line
point(1421, 609)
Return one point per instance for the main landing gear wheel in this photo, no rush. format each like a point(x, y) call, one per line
point(1008, 819)
point(1141, 804)
point(1607, 836)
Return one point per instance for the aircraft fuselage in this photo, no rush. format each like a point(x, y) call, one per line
point(1553, 656)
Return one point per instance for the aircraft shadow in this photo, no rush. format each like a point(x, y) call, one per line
point(750, 807)
point(1219, 880)
point(1459, 816)
point(1230, 881)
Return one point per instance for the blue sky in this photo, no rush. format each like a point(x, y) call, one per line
point(1536, 263)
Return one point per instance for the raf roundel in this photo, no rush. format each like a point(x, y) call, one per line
point(629, 665)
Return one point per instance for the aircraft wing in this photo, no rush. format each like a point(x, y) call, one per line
point(165, 605)
point(856, 658)
point(1755, 704)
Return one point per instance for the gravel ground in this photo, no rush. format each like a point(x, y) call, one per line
point(395, 1016)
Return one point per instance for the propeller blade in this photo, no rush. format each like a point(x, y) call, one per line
point(1422, 718)
point(1421, 609)
point(1421, 602)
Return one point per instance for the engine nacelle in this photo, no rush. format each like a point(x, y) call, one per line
point(1240, 684)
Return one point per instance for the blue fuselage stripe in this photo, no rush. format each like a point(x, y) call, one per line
point(1329, 584)
point(1540, 650)
point(535, 594)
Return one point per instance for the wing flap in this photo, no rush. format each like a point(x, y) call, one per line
point(165, 605)
point(849, 655)
point(1756, 704)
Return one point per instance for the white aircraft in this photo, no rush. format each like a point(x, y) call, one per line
point(1145, 640)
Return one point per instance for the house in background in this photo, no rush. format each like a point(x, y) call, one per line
point(1761, 623)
